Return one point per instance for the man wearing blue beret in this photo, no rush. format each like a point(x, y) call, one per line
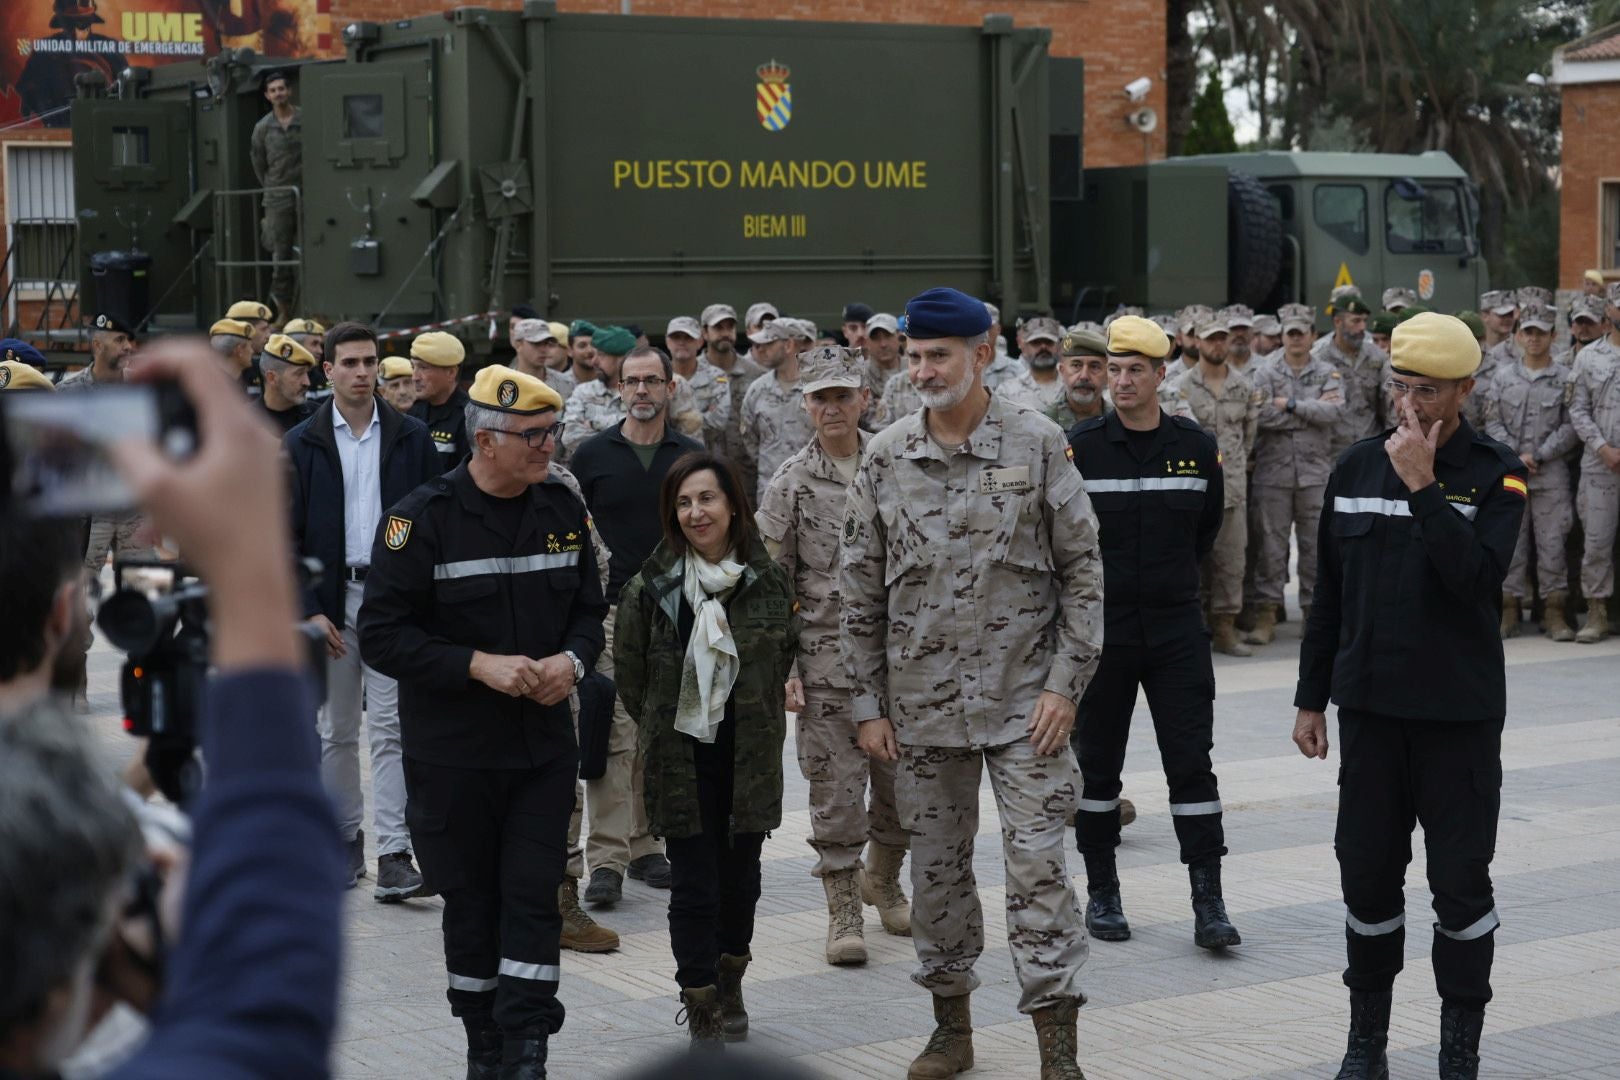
point(971, 623)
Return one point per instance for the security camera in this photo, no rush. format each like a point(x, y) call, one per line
point(1137, 89)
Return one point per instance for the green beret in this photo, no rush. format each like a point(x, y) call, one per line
point(1472, 320)
point(613, 340)
point(580, 328)
point(1408, 312)
point(1384, 323)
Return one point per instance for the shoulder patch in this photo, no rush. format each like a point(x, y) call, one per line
point(1514, 484)
point(397, 532)
point(1336, 374)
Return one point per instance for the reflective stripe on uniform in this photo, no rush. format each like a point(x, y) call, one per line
point(445, 447)
point(1147, 483)
point(526, 564)
point(532, 972)
point(1390, 507)
point(1097, 806)
point(1195, 809)
point(467, 982)
point(1378, 929)
point(1480, 927)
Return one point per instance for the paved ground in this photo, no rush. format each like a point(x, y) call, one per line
point(1160, 1007)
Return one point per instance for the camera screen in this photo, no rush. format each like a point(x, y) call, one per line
point(58, 442)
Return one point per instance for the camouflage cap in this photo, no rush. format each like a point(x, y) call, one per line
point(1612, 294)
point(1538, 315)
point(776, 329)
point(715, 313)
point(827, 366)
point(684, 324)
point(1398, 296)
point(1499, 301)
point(1267, 325)
point(1165, 321)
point(1211, 324)
point(883, 321)
point(1043, 328)
point(1188, 318)
point(1586, 307)
point(802, 329)
point(533, 331)
point(1533, 294)
point(760, 312)
point(1296, 317)
point(1237, 315)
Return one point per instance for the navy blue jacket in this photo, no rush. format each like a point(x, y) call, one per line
point(406, 460)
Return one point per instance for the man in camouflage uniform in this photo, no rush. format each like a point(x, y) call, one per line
point(900, 399)
point(719, 323)
point(1188, 319)
point(1301, 402)
point(1084, 371)
point(1586, 325)
point(276, 148)
point(1239, 319)
point(1267, 336)
point(880, 359)
point(1397, 298)
point(1528, 411)
point(1226, 405)
point(1037, 387)
point(774, 424)
point(1499, 309)
point(1004, 368)
point(1594, 409)
point(971, 623)
point(1360, 365)
point(799, 519)
point(112, 342)
point(710, 387)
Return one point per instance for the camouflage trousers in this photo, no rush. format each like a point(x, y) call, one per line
point(1598, 503)
point(937, 792)
point(1222, 569)
point(841, 821)
point(1543, 532)
point(619, 831)
point(1273, 513)
point(278, 233)
point(116, 533)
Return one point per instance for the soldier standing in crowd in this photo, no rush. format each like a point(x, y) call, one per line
point(532, 341)
point(968, 514)
point(799, 519)
point(112, 342)
point(774, 425)
point(1267, 336)
point(277, 150)
point(757, 316)
point(1594, 409)
point(257, 316)
point(1528, 412)
point(581, 353)
point(1239, 319)
point(1226, 405)
point(900, 399)
point(1586, 325)
point(880, 360)
point(311, 335)
point(855, 316)
point(1083, 369)
point(1416, 538)
point(1300, 407)
point(232, 340)
point(719, 323)
point(1360, 366)
point(1397, 298)
point(441, 403)
point(1004, 368)
point(595, 405)
point(711, 387)
point(284, 365)
point(1038, 386)
point(483, 601)
point(395, 383)
point(1380, 327)
point(1156, 483)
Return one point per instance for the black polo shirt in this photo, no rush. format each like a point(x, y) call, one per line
point(623, 496)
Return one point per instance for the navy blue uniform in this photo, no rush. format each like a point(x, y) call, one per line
point(1403, 637)
point(1158, 496)
point(489, 777)
point(447, 424)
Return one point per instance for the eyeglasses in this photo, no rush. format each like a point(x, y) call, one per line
point(651, 382)
point(535, 438)
point(1397, 388)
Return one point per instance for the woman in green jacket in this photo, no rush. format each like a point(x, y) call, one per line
point(704, 639)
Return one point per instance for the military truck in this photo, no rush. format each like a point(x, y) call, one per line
point(1266, 229)
point(628, 169)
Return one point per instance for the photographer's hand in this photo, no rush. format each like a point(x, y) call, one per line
point(225, 507)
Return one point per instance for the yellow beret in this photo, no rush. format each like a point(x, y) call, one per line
point(16, 375)
point(283, 348)
point(1134, 334)
point(559, 331)
point(438, 348)
point(248, 309)
point(1594, 276)
point(499, 387)
point(303, 326)
point(1438, 346)
point(232, 327)
point(395, 367)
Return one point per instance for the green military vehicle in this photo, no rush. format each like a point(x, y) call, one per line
point(1269, 228)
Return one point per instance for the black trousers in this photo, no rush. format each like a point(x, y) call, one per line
point(1179, 679)
point(493, 843)
point(1448, 776)
point(715, 884)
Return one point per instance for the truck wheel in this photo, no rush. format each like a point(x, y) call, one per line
point(1253, 240)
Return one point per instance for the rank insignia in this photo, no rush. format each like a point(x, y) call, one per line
point(397, 531)
point(850, 528)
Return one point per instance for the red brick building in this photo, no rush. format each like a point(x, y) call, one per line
point(1588, 73)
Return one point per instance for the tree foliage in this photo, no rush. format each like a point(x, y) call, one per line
point(1211, 131)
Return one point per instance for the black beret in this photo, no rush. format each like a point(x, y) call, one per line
point(113, 323)
point(942, 313)
point(524, 311)
point(857, 312)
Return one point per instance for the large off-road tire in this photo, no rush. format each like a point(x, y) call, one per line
point(1254, 239)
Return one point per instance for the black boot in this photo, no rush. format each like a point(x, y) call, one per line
point(483, 1053)
point(524, 1058)
point(1459, 1041)
point(1105, 911)
point(1211, 928)
point(1369, 1037)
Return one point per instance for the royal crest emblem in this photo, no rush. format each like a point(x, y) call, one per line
point(774, 96)
point(507, 395)
point(396, 533)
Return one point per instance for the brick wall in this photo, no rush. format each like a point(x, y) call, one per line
point(1119, 39)
point(27, 312)
point(1591, 127)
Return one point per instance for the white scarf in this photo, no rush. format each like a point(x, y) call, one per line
point(711, 663)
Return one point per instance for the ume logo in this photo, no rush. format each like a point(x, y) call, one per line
point(161, 26)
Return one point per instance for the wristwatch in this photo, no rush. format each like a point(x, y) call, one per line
point(579, 666)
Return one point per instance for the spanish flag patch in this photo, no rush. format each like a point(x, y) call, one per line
point(1068, 452)
point(1513, 483)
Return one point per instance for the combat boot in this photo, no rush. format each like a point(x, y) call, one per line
point(846, 938)
point(880, 887)
point(733, 1016)
point(1282, 613)
point(523, 1058)
point(1224, 637)
point(700, 1012)
point(1265, 627)
point(1364, 1058)
point(1554, 621)
point(483, 1050)
point(1510, 615)
point(1211, 928)
point(580, 932)
point(950, 1047)
point(1459, 1041)
point(1105, 912)
point(1245, 618)
point(1127, 812)
point(1058, 1041)
point(1597, 621)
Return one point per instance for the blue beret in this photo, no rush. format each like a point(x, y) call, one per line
point(943, 313)
point(16, 349)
